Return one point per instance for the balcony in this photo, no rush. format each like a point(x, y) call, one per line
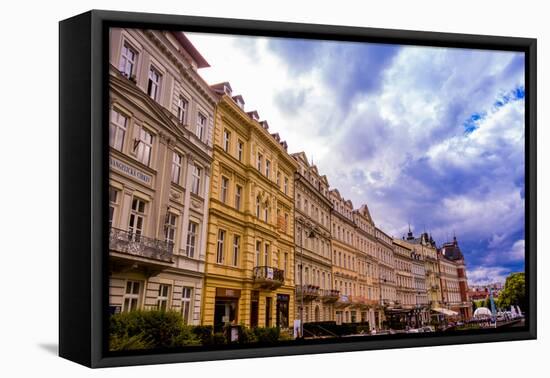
point(330, 295)
point(308, 292)
point(268, 278)
point(343, 301)
point(137, 249)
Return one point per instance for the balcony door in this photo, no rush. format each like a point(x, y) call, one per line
point(137, 219)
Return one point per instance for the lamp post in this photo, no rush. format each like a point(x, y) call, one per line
point(310, 235)
point(380, 279)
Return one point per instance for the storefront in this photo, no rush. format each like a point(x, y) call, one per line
point(226, 307)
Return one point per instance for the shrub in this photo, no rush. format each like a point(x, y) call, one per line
point(247, 336)
point(267, 335)
point(125, 342)
point(217, 338)
point(150, 329)
point(203, 332)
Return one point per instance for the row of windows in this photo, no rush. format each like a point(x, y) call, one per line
point(406, 298)
point(137, 220)
point(315, 244)
point(403, 265)
point(133, 299)
point(314, 277)
point(343, 260)
point(128, 67)
point(312, 211)
point(142, 149)
point(265, 169)
point(406, 282)
point(262, 256)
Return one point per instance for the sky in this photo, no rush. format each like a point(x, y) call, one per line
point(431, 137)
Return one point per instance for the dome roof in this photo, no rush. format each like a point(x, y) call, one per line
point(481, 312)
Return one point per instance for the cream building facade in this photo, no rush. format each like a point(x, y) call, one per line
point(313, 258)
point(161, 119)
point(368, 297)
point(386, 269)
point(344, 259)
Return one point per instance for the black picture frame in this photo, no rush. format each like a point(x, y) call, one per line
point(83, 170)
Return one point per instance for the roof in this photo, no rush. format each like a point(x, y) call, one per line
point(451, 250)
point(191, 49)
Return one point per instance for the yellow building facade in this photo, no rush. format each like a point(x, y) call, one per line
point(250, 244)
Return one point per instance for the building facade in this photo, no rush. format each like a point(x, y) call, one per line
point(250, 250)
point(344, 259)
point(402, 313)
point(161, 118)
point(313, 260)
point(386, 269)
point(368, 269)
point(454, 282)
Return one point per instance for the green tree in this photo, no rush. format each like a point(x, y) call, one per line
point(513, 292)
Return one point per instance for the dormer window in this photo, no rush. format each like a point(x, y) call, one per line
point(239, 101)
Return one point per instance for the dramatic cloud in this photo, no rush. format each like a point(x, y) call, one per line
point(428, 136)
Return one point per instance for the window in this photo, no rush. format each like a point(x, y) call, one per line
point(170, 228)
point(117, 129)
point(259, 162)
point(240, 146)
point(162, 298)
point(191, 239)
point(285, 188)
point(257, 257)
point(257, 207)
point(266, 254)
point(176, 167)
point(186, 294)
point(144, 146)
point(267, 168)
point(286, 223)
point(196, 183)
point(182, 109)
point(266, 212)
point(128, 58)
point(153, 85)
point(226, 139)
point(285, 264)
point(223, 191)
point(220, 249)
point(236, 248)
point(137, 219)
point(113, 202)
point(201, 125)
point(238, 195)
point(131, 296)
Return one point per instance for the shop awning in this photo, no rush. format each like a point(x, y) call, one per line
point(445, 311)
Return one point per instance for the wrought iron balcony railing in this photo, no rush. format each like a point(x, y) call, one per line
point(269, 277)
point(330, 295)
point(308, 292)
point(140, 246)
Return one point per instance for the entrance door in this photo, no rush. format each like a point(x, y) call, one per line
point(317, 315)
point(282, 310)
point(254, 307)
point(225, 312)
